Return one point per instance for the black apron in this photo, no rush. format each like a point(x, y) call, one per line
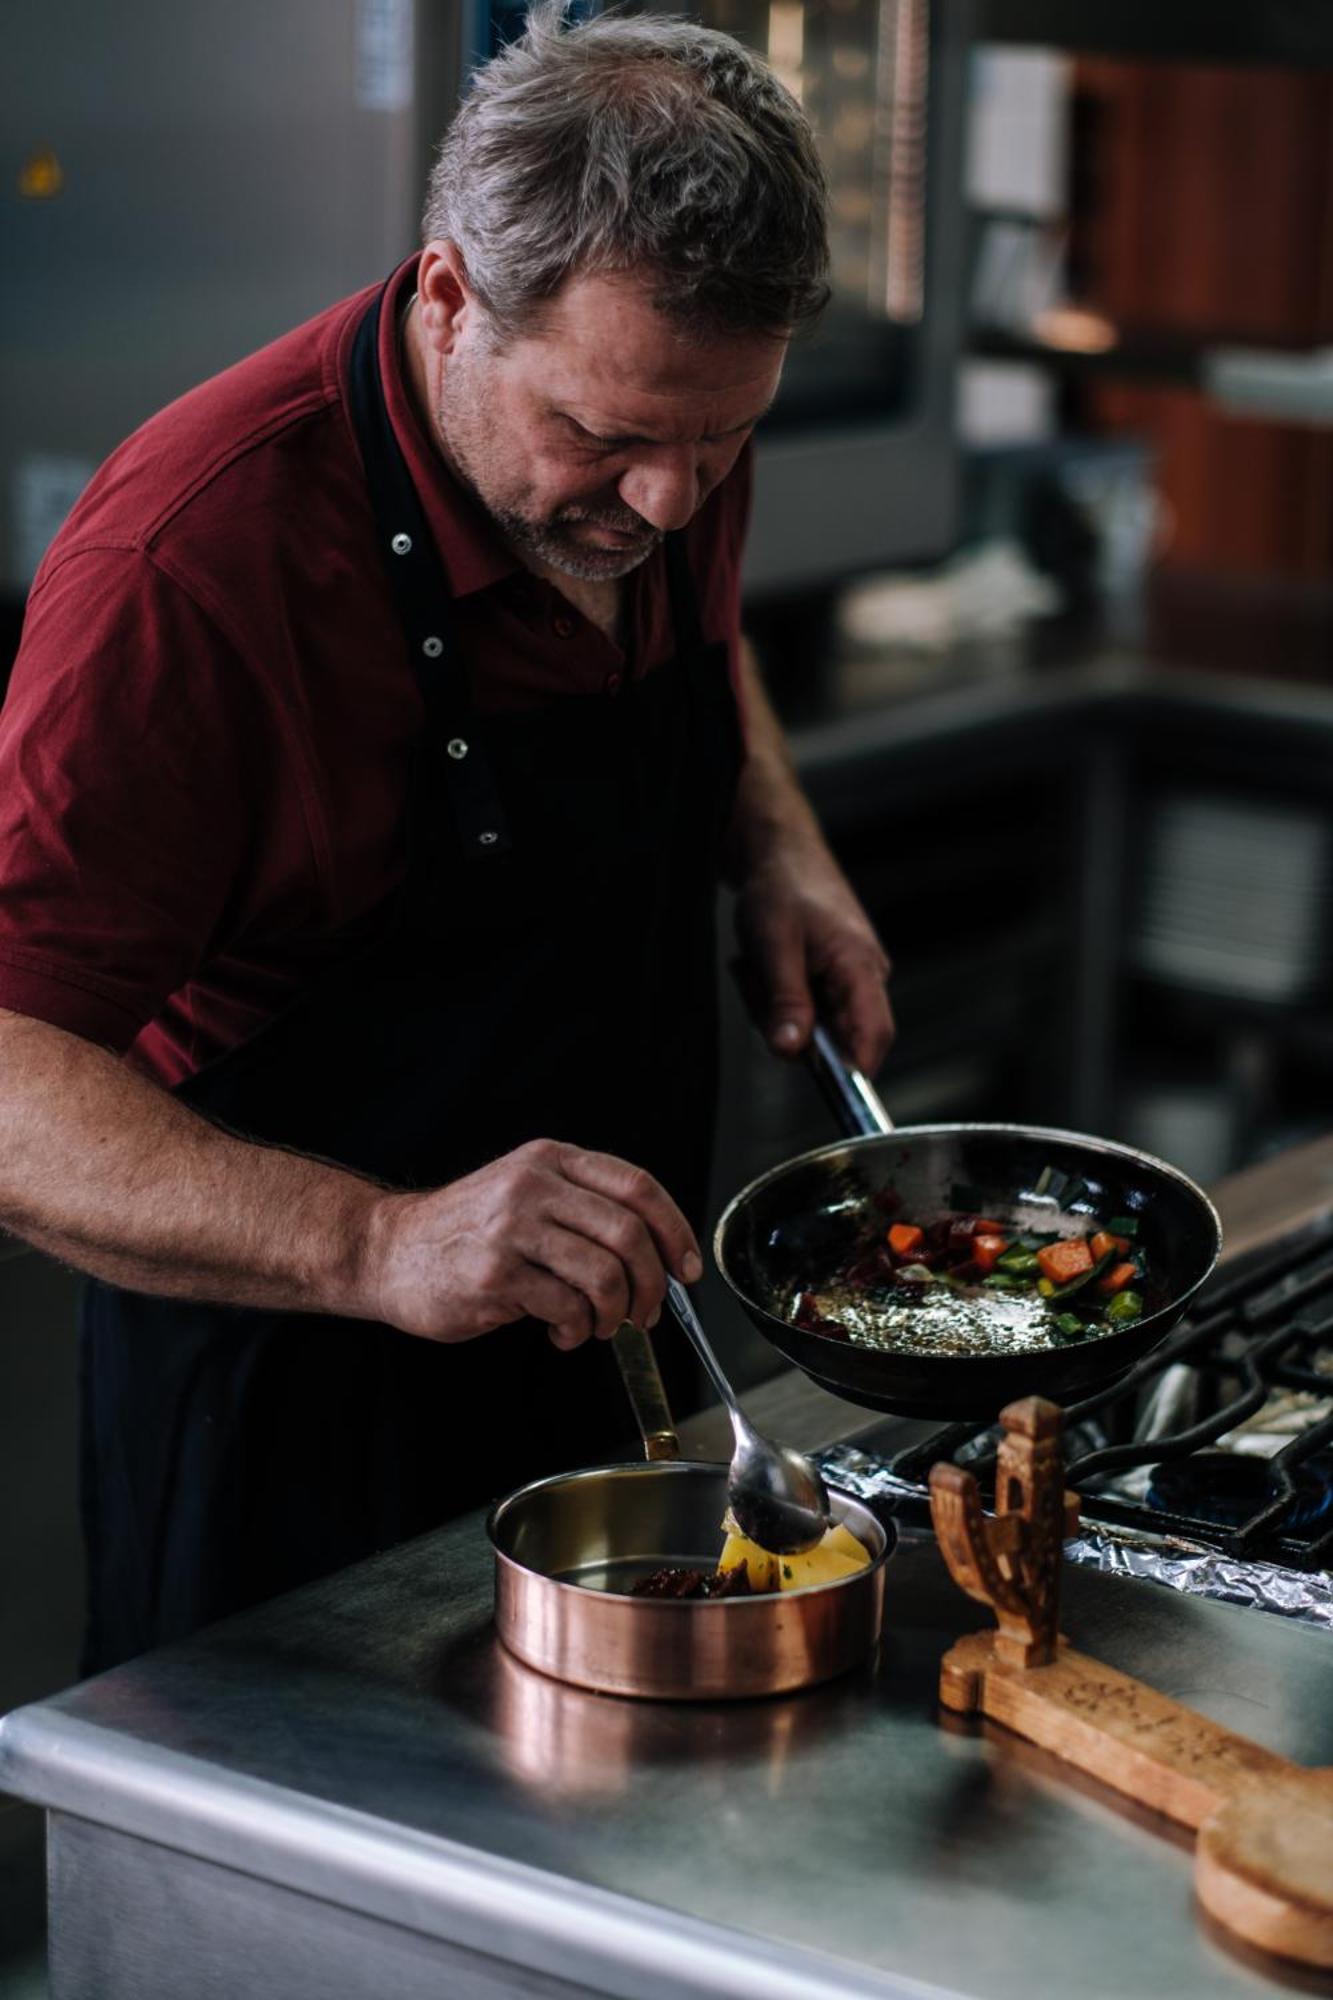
point(546, 970)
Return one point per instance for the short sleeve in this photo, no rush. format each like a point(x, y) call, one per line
point(132, 790)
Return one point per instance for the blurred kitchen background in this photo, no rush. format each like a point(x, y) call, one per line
point(1042, 564)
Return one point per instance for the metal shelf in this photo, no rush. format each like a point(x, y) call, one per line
point(1287, 34)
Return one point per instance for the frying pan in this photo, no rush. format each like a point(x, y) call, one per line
point(799, 1222)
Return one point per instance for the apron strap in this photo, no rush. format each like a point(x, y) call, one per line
point(684, 604)
point(416, 576)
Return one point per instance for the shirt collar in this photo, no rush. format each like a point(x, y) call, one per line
point(472, 550)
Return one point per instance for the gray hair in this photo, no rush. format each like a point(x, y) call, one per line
point(635, 143)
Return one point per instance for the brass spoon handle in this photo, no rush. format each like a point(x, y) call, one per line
point(633, 1350)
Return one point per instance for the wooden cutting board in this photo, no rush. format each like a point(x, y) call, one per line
point(1264, 1853)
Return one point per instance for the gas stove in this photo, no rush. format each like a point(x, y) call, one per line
point(1209, 1466)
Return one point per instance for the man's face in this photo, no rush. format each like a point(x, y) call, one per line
point(590, 438)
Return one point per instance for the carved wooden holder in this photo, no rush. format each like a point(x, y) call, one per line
point(1264, 1856)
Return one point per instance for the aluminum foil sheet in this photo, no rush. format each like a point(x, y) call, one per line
point(1291, 1593)
point(1183, 1566)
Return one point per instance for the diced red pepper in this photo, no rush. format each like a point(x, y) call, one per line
point(1069, 1258)
point(905, 1239)
point(1103, 1243)
point(987, 1249)
point(983, 1226)
point(1117, 1278)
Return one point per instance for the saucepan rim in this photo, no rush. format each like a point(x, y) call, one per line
point(676, 1467)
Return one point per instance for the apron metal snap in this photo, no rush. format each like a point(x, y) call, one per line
point(401, 545)
point(488, 839)
point(432, 647)
point(457, 748)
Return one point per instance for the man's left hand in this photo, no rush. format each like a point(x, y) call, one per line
point(808, 948)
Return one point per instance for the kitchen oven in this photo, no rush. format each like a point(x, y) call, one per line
point(233, 172)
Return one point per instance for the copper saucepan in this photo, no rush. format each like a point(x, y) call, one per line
point(568, 1549)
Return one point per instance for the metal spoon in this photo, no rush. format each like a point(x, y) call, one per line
point(777, 1498)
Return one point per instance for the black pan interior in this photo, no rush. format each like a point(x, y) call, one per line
point(797, 1224)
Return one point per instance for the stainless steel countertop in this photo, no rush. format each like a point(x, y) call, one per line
point(870, 718)
point(367, 1741)
point(873, 713)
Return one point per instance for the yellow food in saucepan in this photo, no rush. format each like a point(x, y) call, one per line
point(838, 1554)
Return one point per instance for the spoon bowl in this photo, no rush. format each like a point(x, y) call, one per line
point(776, 1497)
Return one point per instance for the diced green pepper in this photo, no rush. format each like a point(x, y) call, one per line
point(1000, 1281)
point(1020, 1263)
point(1123, 1225)
point(1069, 1324)
point(1124, 1307)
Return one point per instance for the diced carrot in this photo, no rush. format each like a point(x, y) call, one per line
point(1117, 1278)
point(1103, 1243)
point(1069, 1258)
point(986, 1249)
point(905, 1238)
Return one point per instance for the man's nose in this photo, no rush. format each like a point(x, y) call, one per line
point(664, 488)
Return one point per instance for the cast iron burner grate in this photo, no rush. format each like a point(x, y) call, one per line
point(1256, 1350)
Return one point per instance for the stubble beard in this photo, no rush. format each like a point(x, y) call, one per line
point(474, 450)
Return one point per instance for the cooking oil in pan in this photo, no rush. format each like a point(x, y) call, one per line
point(936, 1319)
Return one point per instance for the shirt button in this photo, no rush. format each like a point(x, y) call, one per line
point(563, 626)
point(614, 683)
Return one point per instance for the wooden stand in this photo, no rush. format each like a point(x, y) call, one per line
point(1264, 1857)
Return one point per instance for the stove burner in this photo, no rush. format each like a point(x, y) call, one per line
point(1260, 1331)
point(1228, 1488)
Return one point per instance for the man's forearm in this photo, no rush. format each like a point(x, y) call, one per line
point(805, 940)
point(103, 1169)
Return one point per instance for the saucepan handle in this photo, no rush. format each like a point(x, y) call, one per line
point(850, 1094)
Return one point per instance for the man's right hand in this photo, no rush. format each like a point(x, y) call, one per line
point(117, 1177)
point(580, 1240)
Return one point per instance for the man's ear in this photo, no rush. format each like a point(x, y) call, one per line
point(446, 301)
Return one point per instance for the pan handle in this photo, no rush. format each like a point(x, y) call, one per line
point(633, 1350)
point(850, 1094)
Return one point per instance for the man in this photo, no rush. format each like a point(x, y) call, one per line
point(370, 761)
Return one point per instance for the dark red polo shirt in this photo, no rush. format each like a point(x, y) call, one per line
point(204, 749)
